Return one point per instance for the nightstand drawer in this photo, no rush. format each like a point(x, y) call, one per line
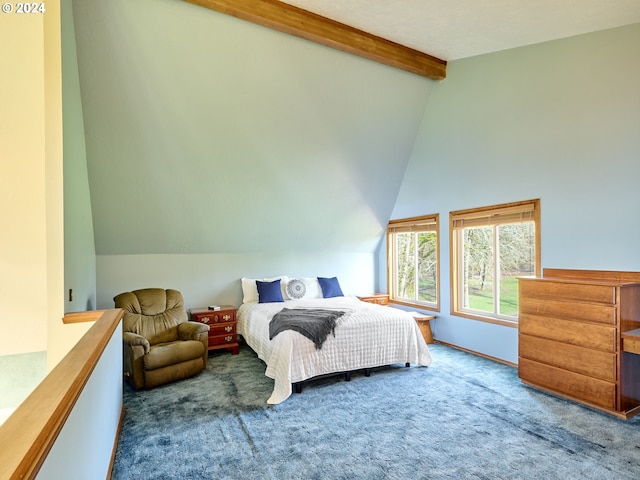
point(213, 316)
point(222, 329)
point(223, 339)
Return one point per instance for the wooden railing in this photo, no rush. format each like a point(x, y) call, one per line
point(29, 433)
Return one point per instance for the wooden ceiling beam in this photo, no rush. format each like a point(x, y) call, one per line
point(302, 23)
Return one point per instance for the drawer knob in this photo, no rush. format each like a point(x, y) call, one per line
point(206, 319)
point(228, 328)
point(227, 318)
point(228, 338)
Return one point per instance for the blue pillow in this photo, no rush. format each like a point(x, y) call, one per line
point(330, 287)
point(269, 291)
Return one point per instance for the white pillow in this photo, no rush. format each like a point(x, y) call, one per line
point(296, 288)
point(313, 289)
point(249, 290)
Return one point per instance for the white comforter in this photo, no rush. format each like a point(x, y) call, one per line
point(367, 336)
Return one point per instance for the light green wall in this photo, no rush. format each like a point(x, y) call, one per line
point(557, 121)
point(206, 279)
point(79, 246)
point(209, 134)
point(213, 138)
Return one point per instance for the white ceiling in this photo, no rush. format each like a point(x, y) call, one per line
point(454, 29)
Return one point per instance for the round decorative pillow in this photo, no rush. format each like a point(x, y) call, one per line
point(296, 289)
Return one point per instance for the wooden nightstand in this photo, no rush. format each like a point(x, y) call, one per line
point(222, 327)
point(424, 322)
point(377, 298)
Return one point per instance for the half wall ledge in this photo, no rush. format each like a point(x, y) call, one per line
point(30, 433)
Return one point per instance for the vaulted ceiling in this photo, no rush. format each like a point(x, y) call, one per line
point(455, 29)
point(420, 36)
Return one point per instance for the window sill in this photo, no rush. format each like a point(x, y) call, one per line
point(480, 318)
point(419, 306)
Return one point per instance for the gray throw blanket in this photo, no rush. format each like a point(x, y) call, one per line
point(315, 324)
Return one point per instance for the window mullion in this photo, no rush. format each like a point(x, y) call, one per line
point(415, 266)
point(396, 259)
point(462, 279)
point(496, 271)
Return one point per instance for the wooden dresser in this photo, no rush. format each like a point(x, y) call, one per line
point(572, 329)
point(222, 327)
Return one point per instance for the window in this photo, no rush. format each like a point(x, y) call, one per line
point(412, 260)
point(490, 248)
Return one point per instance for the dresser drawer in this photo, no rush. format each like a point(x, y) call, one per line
point(575, 385)
point(578, 292)
point(573, 310)
point(581, 360)
point(590, 335)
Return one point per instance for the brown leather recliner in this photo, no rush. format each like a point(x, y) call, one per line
point(159, 344)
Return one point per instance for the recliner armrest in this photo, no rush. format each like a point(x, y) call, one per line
point(133, 339)
point(192, 330)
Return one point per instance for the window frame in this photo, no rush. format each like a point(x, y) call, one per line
point(416, 225)
point(475, 217)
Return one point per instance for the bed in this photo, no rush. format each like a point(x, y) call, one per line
point(366, 336)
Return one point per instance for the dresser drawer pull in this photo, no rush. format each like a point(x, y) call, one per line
point(228, 338)
point(227, 318)
point(206, 319)
point(228, 328)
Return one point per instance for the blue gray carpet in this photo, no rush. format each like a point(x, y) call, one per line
point(462, 417)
